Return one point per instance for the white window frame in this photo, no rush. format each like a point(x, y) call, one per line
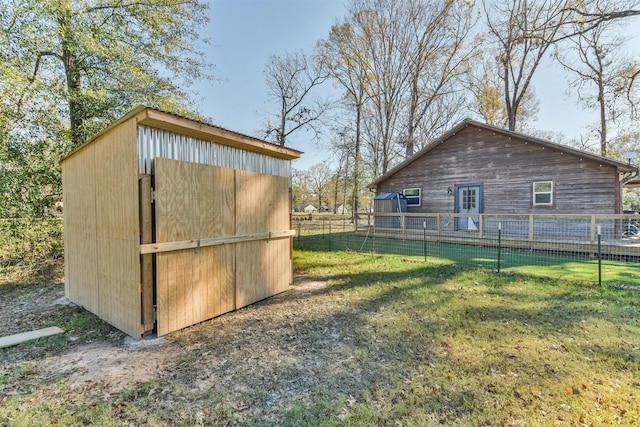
point(413, 197)
point(536, 193)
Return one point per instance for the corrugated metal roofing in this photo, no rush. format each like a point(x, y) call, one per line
point(154, 142)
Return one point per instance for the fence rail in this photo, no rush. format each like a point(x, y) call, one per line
point(531, 227)
point(490, 240)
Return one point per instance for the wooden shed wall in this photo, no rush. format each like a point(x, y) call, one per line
point(109, 238)
point(506, 168)
point(102, 241)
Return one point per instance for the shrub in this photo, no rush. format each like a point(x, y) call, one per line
point(30, 242)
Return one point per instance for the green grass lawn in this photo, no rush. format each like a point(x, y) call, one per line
point(539, 263)
point(479, 348)
point(390, 340)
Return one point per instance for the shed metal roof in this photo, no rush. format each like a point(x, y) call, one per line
point(164, 120)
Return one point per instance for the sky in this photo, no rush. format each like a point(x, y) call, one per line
point(245, 33)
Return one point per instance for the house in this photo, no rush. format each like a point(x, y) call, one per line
point(304, 207)
point(342, 209)
point(170, 221)
point(477, 168)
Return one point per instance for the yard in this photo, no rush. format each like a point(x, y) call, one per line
point(360, 340)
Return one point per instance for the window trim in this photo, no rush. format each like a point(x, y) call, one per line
point(551, 193)
point(413, 197)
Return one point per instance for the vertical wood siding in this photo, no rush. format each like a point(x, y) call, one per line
point(102, 240)
point(203, 190)
point(263, 267)
point(193, 201)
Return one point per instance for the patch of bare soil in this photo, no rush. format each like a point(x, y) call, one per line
point(253, 364)
point(26, 307)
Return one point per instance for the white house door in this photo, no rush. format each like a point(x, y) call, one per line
point(468, 201)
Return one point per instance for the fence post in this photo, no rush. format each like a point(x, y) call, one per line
point(329, 236)
point(531, 227)
point(373, 241)
point(599, 256)
point(499, 243)
point(424, 239)
point(298, 233)
point(323, 219)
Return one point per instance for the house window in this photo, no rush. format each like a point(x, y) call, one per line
point(469, 199)
point(543, 193)
point(412, 195)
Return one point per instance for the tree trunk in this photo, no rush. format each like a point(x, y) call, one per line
point(413, 107)
point(511, 119)
point(356, 167)
point(283, 123)
point(603, 121)
point(72, 74)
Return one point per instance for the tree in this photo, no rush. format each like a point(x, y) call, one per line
point(290, 81)
point(300, 192)
point(102, 57)
point(603, 75)
point(398, 63)
point(439, 54)
point(342, 152)
point(68, 68)
point(523, 31)
point(412, 52)
point(343, 56)
point(319, 176)
point(487, 96)
point(586, 15)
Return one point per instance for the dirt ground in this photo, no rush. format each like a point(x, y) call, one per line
point(254, 363)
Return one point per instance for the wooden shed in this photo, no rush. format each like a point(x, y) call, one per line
point(169, 222)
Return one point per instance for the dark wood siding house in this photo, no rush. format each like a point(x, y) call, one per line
point(477, 168)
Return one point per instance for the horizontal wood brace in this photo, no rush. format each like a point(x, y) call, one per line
point(152, 248)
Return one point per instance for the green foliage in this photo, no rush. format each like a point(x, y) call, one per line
point(68, 68)
point(30, 242)
point(631, 199)
point(100, 58)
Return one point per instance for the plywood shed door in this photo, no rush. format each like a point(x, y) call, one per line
point(263, 267)
point(198, 202)
point(193, 201)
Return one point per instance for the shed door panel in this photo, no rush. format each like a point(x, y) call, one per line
point(193, 201)
point(263, 267)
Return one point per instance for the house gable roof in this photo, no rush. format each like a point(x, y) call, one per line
point(620, 166)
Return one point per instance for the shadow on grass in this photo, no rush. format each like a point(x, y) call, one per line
point(394, 340)
point(384, 327)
